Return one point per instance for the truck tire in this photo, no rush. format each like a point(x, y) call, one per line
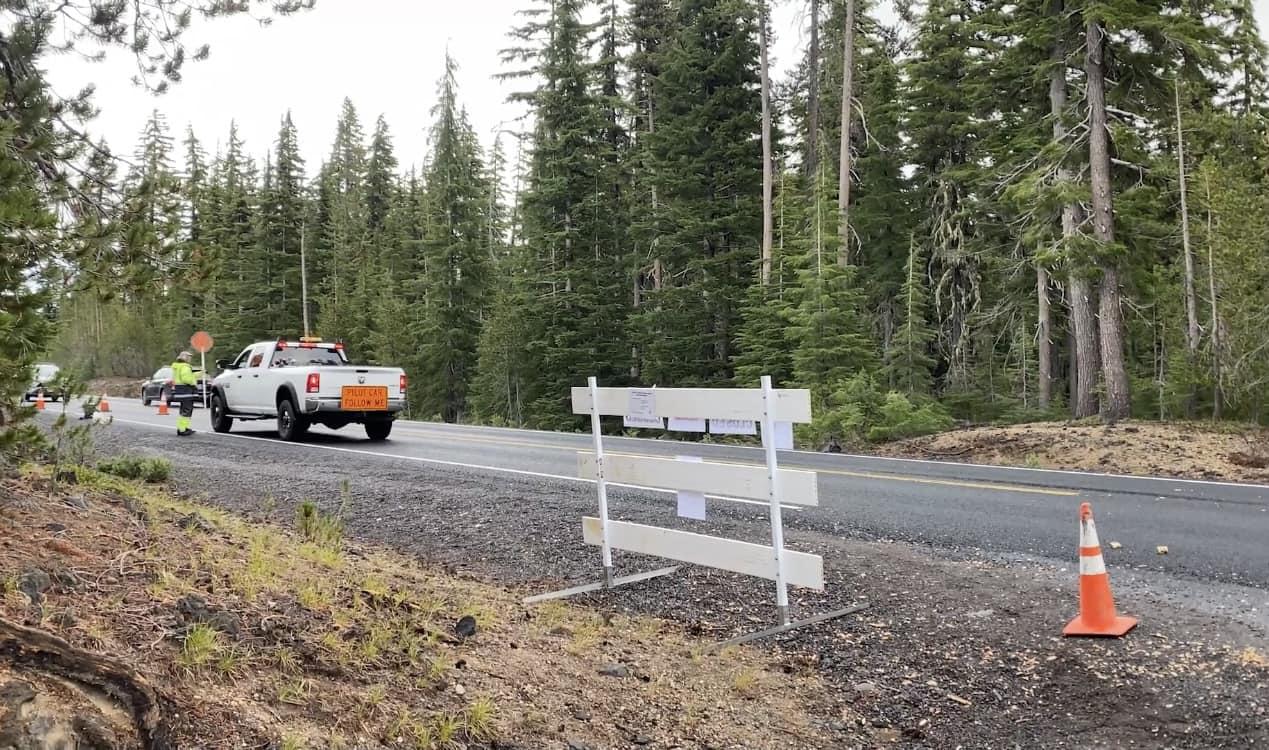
point(220, 419)
point(145, 400)
point(291, 426)
point(379, 429)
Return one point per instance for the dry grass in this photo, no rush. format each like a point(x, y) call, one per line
point(334, 644)
point(1253, 657)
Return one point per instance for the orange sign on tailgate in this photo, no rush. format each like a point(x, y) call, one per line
point(363, 398)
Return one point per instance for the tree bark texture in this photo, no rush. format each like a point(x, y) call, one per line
point(1191, 299)
point(768, 179)
point(44, 652)
point(844, 161)
point(1116, 401)
point(813, 96)
point(1084, 354)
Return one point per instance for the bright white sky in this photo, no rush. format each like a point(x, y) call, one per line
point(386, 55)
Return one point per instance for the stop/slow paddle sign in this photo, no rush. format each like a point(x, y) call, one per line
point(202, 342)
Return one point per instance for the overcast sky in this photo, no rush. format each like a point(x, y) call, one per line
point(386, 55)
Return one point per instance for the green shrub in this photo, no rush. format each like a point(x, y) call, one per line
point(902, 418)
point(152, 470)
point(861, 412)
point(319, 528)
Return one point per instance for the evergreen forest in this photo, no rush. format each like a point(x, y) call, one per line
point(949, 210)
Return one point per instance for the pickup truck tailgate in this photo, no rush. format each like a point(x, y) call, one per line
point(360, 388)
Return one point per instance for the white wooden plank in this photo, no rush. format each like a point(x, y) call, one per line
point(792, 404)
point(731, 480)
point(800, 569)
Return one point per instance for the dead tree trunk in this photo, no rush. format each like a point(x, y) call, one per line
point(844, 161)
point(1084, 356)
point(1044, 352)
point(44, 652)
point(768, 180)
point(1217, 393)
point(813, 97)
point(1115, 405)
point(1191, 300)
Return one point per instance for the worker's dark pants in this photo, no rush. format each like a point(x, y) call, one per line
point(184, 395)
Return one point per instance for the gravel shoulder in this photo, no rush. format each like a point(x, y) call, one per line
point(956, 648)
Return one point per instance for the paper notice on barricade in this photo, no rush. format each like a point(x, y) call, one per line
point(682, 424)
point(784, 436)
point(733, 427)
point(643, 403)
point(652, 423)
point(691, 504)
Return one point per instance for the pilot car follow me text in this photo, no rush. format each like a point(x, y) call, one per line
point(303, 383)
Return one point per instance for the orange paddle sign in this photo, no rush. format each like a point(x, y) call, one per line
point(202, 342)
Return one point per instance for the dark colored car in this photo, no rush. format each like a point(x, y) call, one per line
point(44, 379)
point(159, 387)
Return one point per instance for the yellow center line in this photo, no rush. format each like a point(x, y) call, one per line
point(838, 472)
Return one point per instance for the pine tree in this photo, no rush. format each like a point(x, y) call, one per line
point(908, 364)
point(193, 284)
point(380, 179)
point(945, 105)
point(829, 331)
point(29, 233)
point(706, 164)
point(649, 31)
point(345, 268)
point(574, 266)
point(455, 242)
point(282, 220)
point(153, 208)
point(232, 235)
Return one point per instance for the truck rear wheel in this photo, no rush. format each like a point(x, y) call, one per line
point(379, 430)
point(291, 426)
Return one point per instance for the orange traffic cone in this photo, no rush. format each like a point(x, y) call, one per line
point(1097, 606)
point(39, 401)
point(162, 406)
point(103, 405)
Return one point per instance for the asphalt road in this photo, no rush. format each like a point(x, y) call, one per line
point(1213, 531)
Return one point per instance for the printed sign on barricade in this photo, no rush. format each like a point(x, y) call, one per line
point(774, 411)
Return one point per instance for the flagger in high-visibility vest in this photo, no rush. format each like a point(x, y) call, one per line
point(184, 391)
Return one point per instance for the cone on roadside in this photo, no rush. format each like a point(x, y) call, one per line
point(162, 407)
point(39, 401)
point(1097, 605)
point(103, 405)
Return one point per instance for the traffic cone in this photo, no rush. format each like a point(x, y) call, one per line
point(162, 406)
point(103, 405)
point(1097, 606)
point(39, 401)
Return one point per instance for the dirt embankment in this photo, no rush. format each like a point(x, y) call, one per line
point(130, 618)
point(1186, 450)
point(115, 387)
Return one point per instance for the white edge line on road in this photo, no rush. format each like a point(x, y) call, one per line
point(963, 464)
point(440, 462)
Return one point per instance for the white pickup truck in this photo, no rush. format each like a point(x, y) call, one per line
point(305, 382)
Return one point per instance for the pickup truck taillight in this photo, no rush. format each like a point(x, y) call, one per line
point(314, 383)
point(403, 382)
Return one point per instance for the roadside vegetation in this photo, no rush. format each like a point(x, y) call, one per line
point(251, 635)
